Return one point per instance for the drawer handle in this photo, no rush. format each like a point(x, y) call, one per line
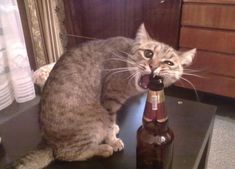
point(162, 1)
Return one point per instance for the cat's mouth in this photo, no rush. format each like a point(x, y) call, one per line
point(144, 81)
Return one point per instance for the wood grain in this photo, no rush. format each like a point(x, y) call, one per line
point(212, 40)
point(214, 84)
point(103, 18)
point(212, 1)
point(163, 20)
point(108, 18)
point(209, 15)
point(209, 26)
point(215, 63)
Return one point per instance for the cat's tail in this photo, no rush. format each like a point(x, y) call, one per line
point(36, 159)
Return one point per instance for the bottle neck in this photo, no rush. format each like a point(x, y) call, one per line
point(155, 107)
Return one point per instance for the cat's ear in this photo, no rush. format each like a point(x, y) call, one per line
point(142, 34)
point(186, 58)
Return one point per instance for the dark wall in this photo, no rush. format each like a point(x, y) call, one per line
point(107, 18)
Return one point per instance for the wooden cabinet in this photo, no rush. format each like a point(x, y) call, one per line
point(209, 26)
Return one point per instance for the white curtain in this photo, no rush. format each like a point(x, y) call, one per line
point(15, 73)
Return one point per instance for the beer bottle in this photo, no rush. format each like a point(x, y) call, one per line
point(154, 137)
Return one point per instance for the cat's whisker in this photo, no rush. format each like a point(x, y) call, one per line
point(128, 54)
point(184, 79)
point(194, 88)
point(122, 71)
point(185, 73)
point(192, 70)
point(132, 76)
point(190, 74)
point(181, 83)
point(130, 57)
point(126, 61)
point(122, 60)
point(122, 57)
point(117, 72)
point(121, 68)
point(167, 73)
point(131, 79)
point(79, 36)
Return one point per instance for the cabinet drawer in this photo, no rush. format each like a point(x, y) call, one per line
point(212, 1)
point(211, 84)
point(209, 15)
point(216, 63)
point(212, 40)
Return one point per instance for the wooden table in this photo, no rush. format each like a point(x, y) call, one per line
point(192, 123)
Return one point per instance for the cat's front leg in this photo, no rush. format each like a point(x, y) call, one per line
point(112, 104)
point(112, 139)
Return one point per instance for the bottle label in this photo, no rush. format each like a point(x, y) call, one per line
point(154, 102)
point(155, 107)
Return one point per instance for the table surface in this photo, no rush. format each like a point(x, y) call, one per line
point(192, 123)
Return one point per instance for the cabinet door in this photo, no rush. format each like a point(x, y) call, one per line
point(108, 18)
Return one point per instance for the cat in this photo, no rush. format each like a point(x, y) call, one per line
point(88, 85)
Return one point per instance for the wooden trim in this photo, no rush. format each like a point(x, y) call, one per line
point(212, 40)
point(27, 35)
point(210, 16)
point(231, 2)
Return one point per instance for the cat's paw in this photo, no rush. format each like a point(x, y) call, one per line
point(105, 150)
point(117, 145)
point(116, 129)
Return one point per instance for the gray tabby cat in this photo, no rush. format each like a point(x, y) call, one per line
point(86, 88)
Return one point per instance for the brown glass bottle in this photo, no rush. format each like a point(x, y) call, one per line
point(154, 137)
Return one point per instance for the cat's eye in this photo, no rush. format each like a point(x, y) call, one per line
point(168, 63)
point(148, 53)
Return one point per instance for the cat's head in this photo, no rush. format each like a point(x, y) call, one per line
point(151, 56)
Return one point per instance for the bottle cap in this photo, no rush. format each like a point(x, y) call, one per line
point(156, 83)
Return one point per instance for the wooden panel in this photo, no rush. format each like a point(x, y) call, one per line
point(214, 84)
point(212, 1)
point(103, 18)
point(216, 63)
point(209, 15)
point(107, 18)
point(163, 19)
point(213, 40)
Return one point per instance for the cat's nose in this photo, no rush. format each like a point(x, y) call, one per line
point(151, 66)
